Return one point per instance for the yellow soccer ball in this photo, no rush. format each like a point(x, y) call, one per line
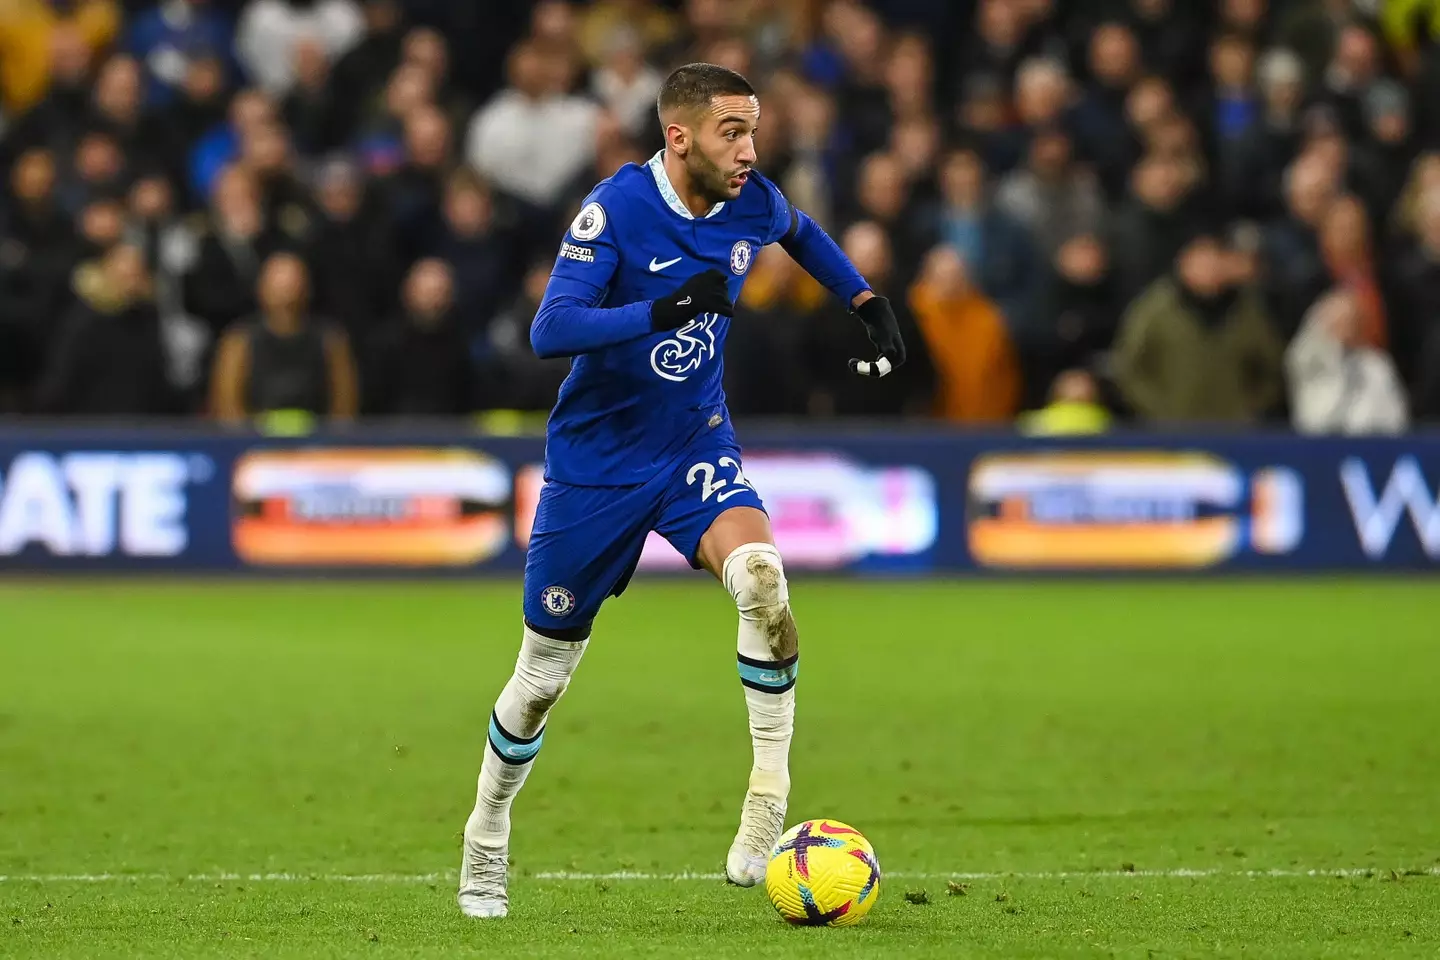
point(823, 873)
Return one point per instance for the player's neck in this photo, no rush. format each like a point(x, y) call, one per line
point(696, 202)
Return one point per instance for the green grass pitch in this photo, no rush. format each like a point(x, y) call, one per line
point(1109, 768)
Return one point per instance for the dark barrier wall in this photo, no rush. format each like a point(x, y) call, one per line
point(899, 501)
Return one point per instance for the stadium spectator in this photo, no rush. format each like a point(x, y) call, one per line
point(613, 149)
point(378, 137)
point(359, 73)
point(1166, 33)
point(1052, 196)
point(221, 287)
point(999, 255)
point(626, 85)
point(414, 191)
point(267, 154)
point(1252, 170)
point(910, 77)
point(1353, 68)
point(915, 144)
point(831, 338)
point(984, 120)
point(533, 138)
point(425, 49)
point(199, 106)
point(283, 360)
point(996, 43)
point(977, 381)
point(860, 94)
point(101, 226)
point(56, 121)
point(1149, 228)
point(1074, 409)
point(1195, 349)
point(1081, 313)
point(554, 29)
point(170, 38)
point(1248, 19)
point(1236, 109)
point(1415, 290)
point(419, 362)
point(171, 246)
point(37, 34)
point(1294, 263)
point(143, 140)
point(37, 251)
point(809, 168)
point(1388, 149)
point(656, 27)
point(108, 359)
point(480, 253)
point(355, 267)
point(269, 31)
point(773, 373)
point(249, 110)
point(1115, 131)
point(309, 107)
point(1345, 247)
point(1339, 383)
point(97, 170)
point(1099, 118)
point(882, 195)
point(509, 376)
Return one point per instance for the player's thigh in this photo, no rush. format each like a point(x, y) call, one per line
point(711, 508)
point(583, 549)
point(735, 527)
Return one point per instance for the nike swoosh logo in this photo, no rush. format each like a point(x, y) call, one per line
point(657, 267)
point(681, 303)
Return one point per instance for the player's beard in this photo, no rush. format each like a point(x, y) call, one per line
point(710, 177)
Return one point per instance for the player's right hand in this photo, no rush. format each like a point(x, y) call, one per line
point(703, 293)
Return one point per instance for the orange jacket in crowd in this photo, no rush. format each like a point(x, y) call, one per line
point(977, 378)
point(27, 40)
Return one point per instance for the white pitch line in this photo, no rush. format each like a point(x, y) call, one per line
point(576, 876)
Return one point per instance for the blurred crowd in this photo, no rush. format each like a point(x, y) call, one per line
point(1085, 212)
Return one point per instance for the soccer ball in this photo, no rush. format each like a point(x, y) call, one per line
point(823, 873)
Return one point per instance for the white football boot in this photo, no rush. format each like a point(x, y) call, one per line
point(483, 879)
point(762, 820)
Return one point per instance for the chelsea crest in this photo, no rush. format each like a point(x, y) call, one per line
point(740, 258)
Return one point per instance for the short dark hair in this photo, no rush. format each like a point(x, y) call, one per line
point(696, 84)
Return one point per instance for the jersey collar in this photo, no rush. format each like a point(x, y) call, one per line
point(667, 191)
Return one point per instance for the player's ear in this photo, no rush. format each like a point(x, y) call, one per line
point(677, 138)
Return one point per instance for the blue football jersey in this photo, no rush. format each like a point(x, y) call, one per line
point(626, 411)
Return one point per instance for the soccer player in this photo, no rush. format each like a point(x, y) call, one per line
point(641, 297)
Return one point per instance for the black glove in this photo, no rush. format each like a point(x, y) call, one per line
point(702, 293)
point(884, 332)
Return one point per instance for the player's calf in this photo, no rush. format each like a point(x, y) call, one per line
point(768, 653)
point(517, 730)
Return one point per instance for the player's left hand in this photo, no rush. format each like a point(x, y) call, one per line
point(880, 326)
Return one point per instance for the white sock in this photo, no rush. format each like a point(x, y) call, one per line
point(517, 729)
point(768, 658)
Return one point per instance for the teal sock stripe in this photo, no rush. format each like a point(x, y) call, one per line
point(513, 749)
point(769, 676)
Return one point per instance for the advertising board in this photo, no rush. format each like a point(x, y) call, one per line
point(900, 502)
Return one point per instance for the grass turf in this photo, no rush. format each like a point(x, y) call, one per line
point(185, 733)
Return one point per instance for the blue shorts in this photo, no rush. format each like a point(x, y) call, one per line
point(587, 540)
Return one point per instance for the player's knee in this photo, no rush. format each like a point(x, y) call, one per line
point(542, 690)
point(544, 669)
point(755, 577)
